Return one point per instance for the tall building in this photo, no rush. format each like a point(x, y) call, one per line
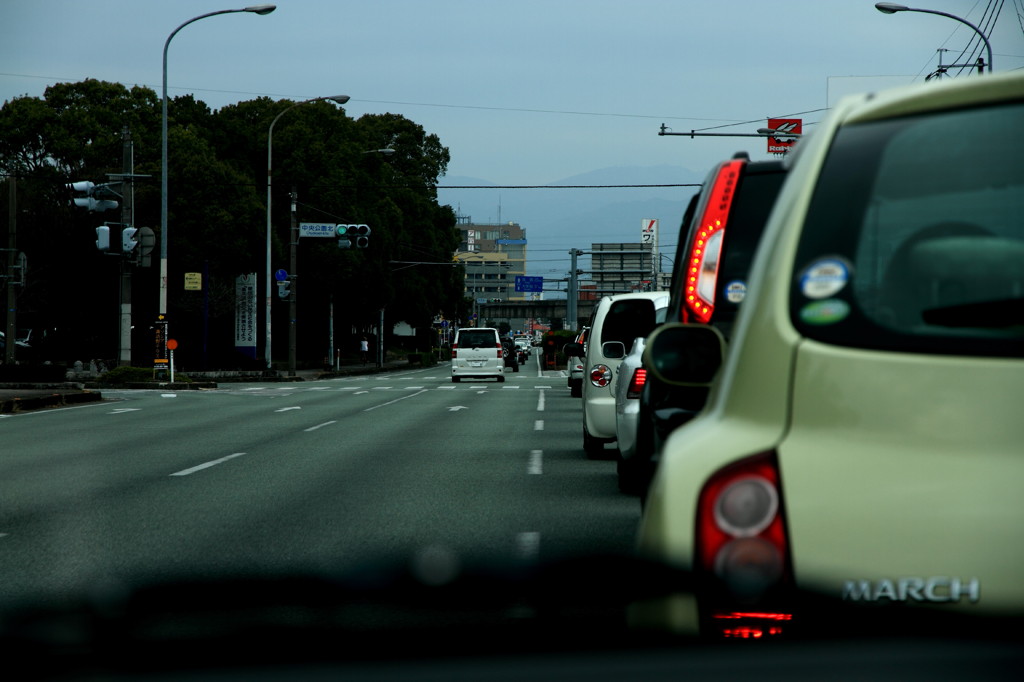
point(494, 254)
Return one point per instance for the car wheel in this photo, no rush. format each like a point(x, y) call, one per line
point(501, 379)
point(629, 477)
point(455, 380)
point(594, 447)
point(576, 390)
point(515, 368)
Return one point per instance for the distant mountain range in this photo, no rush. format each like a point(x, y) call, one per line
point(604, 205)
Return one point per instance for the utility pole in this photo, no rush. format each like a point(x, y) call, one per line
point(124, 356)
point(573, 292)
point(12, 245)
point(293, 305)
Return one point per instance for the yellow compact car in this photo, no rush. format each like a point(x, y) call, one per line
point(863, 438)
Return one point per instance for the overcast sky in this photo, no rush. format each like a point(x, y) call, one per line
point(520, 91)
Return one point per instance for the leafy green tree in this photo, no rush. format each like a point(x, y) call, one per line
point(217, 165)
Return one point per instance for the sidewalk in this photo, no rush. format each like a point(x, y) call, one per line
point(24, 396)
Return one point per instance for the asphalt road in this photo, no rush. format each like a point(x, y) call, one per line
point(290, 479)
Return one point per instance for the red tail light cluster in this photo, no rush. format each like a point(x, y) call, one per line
point(636, 383)
point(702, 264)
point(601, 375)
point(501, 352)
point(455, 347)
point(742, 544)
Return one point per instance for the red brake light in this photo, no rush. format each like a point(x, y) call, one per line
point(455, 347)
point(742, 540)
point(636, 383)
point(703, 261)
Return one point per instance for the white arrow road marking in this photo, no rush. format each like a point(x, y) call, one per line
point(456, 408)
point(186, 472)
point(122, 410)
point(319, 426)
point(536, 462)
point(285, 409)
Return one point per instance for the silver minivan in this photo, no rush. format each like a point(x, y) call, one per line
point(477, 352)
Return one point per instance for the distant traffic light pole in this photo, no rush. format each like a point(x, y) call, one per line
point(340, 99)
point(255, 9)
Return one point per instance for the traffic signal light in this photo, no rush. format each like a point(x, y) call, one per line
point(352, 236)
point(343, 239)
point(89, 201)
point(284, 288)
point(103, 238)
point(128, 240)
point(360, 236)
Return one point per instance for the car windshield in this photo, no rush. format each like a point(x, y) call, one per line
point(918, 245)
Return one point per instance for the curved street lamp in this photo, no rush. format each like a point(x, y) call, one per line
point(893, 8)
point(254, 9)
point(340, 99)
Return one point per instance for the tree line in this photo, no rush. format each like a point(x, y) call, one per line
point(217, 179)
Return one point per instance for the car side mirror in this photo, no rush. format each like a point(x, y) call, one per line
point(685, 354)
point(573, 350)
point(613, 350)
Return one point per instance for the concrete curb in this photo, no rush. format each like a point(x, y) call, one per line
point(39, 402)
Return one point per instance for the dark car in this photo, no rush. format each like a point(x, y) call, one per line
point(510, 353)
point(719, 234)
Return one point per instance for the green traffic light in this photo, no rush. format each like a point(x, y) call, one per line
point(341, 230)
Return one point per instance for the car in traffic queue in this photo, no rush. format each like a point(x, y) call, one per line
point(477, 353)
point(718, 236)
point(616, 320)
point(575, 363)
point(862, 439)
point(510, 354)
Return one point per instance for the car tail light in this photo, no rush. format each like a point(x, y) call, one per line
point(636, 383)
point(501, 351)
point(742, 545)
point(601, 375)
point(702, 264)
point(455, 351)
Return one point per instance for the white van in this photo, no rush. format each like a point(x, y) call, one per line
point(616, 322)
point(477, 353)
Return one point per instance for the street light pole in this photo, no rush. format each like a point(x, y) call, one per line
point(893, 8)
point(340, 99)
point(255, 9)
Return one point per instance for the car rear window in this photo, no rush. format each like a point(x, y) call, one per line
point(914, 238)
point(477, 338)
point(628, 319)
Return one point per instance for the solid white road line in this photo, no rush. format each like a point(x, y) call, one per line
point(186, 472)
point(392, 402)
point(320, 426)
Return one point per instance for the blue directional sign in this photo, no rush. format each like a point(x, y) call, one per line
point(524, 283)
